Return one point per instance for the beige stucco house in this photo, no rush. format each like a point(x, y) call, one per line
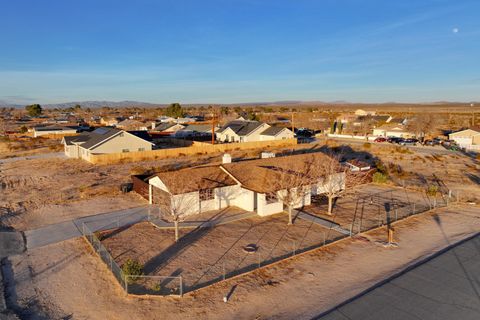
point(392, 130)
point(104, 140)
point(468, 138)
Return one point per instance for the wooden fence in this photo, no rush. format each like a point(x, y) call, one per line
point(198, 148)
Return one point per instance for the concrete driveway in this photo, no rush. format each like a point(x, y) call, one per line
point(73, 228)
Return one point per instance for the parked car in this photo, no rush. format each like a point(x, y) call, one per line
point(380, 139)
point(408, 142)
point(394, 139)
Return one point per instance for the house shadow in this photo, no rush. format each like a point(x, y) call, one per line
point(173, 251)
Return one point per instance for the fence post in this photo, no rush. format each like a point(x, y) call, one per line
point(181, 286)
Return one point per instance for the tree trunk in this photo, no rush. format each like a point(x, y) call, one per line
point(175, 222)
point(330, 204)
point(290, 220)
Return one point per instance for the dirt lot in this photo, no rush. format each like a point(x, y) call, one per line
point(201, 255)
point(68, 280)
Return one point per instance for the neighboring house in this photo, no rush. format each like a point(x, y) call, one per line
point(360, 112)
point(109, 122)
point(129, 124)
point(105, 140)
point(241, 131)
point(276, 133)
point(468, 138)
point(195, 130)
point(392, 130)
point(248, 185)
point(53, 130)
point(165, 119)
point(168, 127)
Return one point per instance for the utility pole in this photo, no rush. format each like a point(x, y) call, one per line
point(293, 125)
point(213, 128)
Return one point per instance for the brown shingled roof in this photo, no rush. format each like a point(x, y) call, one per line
point(259, 175)
point(195, 179)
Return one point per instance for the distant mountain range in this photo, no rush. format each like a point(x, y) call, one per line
point(127, 103)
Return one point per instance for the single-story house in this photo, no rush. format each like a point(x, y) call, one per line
point(195, 130)
point(53, 130)
point(246, 130)
point(392, 130)
point(361, 112)
point(168, 127)
point(250, 185)
point(241, 131)
point(276, 133)
point(105, 140)
point(468, 138)
point(130, 124)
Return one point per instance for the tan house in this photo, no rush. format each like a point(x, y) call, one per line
point(105, 140)
point(468, 138)
point(392, 130)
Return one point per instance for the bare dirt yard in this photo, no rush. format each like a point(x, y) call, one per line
point(68, 280)
point(372, 205)
point(203, 254)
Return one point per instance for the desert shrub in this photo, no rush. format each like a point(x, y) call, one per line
point(132, 268)
point(432, 190)
point(381, 167)
point(367, 145)
point(379, 177)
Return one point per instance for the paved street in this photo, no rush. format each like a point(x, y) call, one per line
point(418, 148)
point(445, 287)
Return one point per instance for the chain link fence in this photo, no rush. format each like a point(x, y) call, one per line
point(369, 211)
point(134, 284)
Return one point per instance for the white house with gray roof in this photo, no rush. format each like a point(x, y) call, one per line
point(104, 141)
point(246, 131)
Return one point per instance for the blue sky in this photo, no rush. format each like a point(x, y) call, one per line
point(226, 51)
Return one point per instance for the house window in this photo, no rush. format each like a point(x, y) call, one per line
point(206, 194)
point(271, 198)
point(141, 149)
point(125, 150)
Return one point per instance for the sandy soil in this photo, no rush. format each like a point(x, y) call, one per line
point(201, 254)
point(67, 279)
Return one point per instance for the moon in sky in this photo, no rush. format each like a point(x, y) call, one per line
point(455, 30)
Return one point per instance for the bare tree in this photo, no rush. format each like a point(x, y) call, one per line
point(423, 124)
point(336, 179)
point(290, 184)
point(175, 207)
